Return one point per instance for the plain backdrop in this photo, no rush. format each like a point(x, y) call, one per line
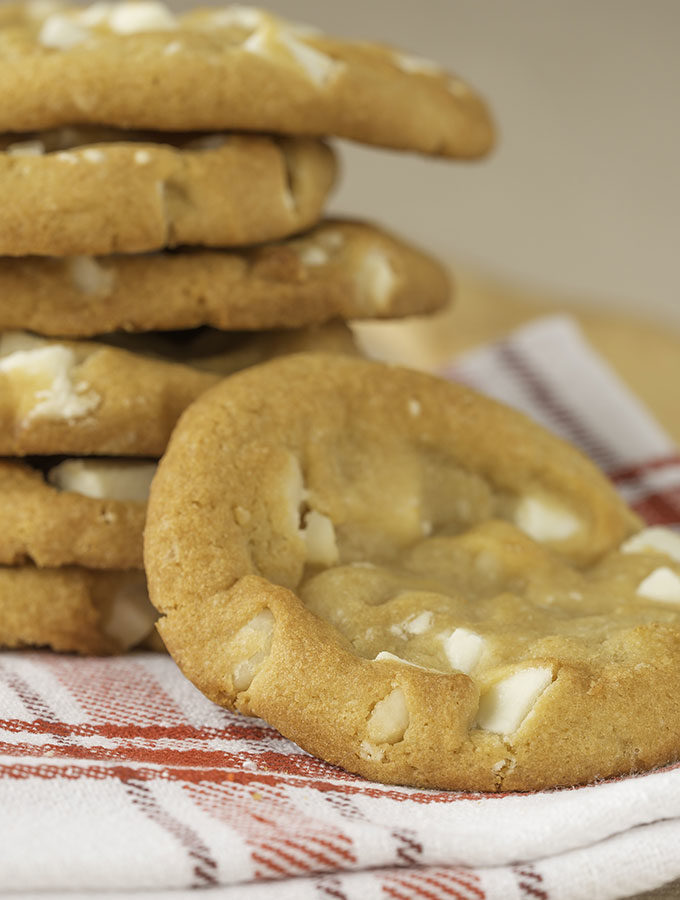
point(582, 196)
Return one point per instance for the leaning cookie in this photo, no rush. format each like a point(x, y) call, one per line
point(128, 197)
point(73, 609)
point(89, 398)
point(339, 269)
point(413, 581)
point(137, 65)
point(83, 512)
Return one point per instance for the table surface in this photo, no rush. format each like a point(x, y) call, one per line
point(646, 355)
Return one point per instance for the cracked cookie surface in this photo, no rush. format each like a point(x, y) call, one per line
point(126, 196)
point(339, 269)
point(413, 581)
point(137, 65)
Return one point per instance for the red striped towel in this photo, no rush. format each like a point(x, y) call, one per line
point(117, 775)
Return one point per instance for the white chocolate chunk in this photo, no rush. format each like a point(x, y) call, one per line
point(26, 148)
point(369, 751)
point(130, 617)
point(93, 155)
point(386, 656)
point(319, 67)
point(61, 33)
point(507, 703)
point(463, 649)
point(414, 407)
point(104, 479)
point(654, 540)
point(389, 718)
point(94, 14)
point(319, 535)
point(269, 40)
point(142, 157)
point(50, 370)
point(140, 16)
point(415, 64)
point(418, 624)
point(376, 279)
point(545, 520)
point(662, 585)
point(246, 17)
point(254, 641)
point(331, 240)
point(89, 276)
point(15, 341)
point(313, 256)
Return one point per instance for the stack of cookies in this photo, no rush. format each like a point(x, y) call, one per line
point(163, 184)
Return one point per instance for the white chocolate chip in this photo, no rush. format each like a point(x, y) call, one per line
point(130, 617)
point(545, 520)
point(142, 157)
point(386, 656)
point(319, 536)
point(319, 67)
point(369, 751)
point(507, 703)
point(140, 16)
point(654, 540)
point(61, 33)
point(94, 14)
point(414, 407)
point(419, 624)
point(389, 719)
point(26, 148)
point(311, 255)
point(662, 585)
point(50, 370)
point(67, 157)
point(268, 41)
point(415, 64)
point(376, 279)
point(463, 649)
point(241, 16)
point(330, 240)
point(104, 479)
point(90, 277)
point(254, 641)
point(91, 154)
point(14, 341)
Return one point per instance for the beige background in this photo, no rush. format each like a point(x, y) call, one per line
point(582, 197)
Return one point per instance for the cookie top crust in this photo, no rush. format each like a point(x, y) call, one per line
point(84, 512)
point(344, 269)
point(73, 609)
point(413, 581)
point(94, 398)
point(137, 193)
point(137, 65)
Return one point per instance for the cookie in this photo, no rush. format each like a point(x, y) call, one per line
point(83, 512)
point(89, 398)
point(129, 197)
point(136, 65)
point(73, 609)
point(338, 269)
point(412, 581)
